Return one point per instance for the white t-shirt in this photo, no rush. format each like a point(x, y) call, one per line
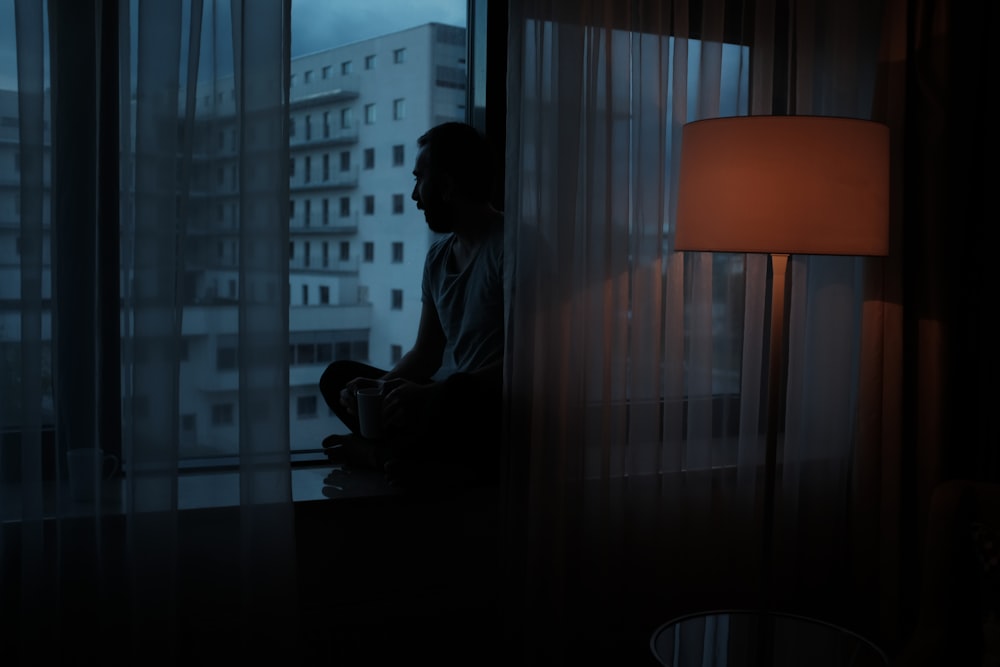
point(469, 302)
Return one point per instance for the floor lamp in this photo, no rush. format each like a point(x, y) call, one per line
point(782, 185)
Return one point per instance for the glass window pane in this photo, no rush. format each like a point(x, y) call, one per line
point(352, 295)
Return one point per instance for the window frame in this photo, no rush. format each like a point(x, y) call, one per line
point(347, 120)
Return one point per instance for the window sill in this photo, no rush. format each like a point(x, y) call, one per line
point(205, 488)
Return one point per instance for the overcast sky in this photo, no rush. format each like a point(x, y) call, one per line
point(323, 24)
point(316, 24)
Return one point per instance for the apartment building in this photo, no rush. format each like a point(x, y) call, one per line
point(356, 240)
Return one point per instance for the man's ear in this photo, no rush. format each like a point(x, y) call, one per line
point(450, 191)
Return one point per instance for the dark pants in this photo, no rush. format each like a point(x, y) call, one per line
point(468, 434)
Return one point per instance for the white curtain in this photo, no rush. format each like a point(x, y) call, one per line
point(116, 196)
point(636, 374)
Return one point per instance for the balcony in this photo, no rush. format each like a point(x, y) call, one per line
point(328, 265)
point(350, 316)
point(337, 224)
point(303, 98)
point(320, 139)
point(220, 320)
point(336, 180)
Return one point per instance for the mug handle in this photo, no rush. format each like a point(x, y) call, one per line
point(114, 467)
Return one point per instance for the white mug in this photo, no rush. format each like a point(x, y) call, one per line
point(370, 411)
point(88, 467)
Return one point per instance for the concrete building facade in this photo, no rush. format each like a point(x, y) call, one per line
point(356, 240)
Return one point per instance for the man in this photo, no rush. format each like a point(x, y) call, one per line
point(442, 400)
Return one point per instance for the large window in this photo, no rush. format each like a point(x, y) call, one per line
point(433, 33)
point(335, 87)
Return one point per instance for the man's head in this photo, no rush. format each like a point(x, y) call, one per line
point(453, 168)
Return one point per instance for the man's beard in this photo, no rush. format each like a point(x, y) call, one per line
point(438, 219)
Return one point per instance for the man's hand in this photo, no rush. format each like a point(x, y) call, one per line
point(411, 408)
point(348, 395)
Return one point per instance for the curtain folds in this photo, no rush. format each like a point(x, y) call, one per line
point(113, 246)
point(637, 373)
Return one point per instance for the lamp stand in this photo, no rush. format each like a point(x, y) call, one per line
point(775, 405)
point(775, 410)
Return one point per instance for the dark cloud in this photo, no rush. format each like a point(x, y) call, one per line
point(323, 24)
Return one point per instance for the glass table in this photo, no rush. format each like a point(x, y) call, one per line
point(744, 638)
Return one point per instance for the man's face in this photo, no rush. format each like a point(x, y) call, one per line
point(430, 193)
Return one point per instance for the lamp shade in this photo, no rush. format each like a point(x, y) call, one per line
point(784, 184)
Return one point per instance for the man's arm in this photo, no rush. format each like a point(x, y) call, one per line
point(424, 358)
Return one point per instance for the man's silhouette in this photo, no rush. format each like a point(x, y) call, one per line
point(442, 399)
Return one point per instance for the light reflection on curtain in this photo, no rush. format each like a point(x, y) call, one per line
point(108, 578)
point(636, 373)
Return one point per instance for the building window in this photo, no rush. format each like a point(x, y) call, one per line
point(397, 252)
point(222, 414)
point(369, 158)
point(307, 76)
point(345, 251)
point(327, 70)
point(308, 169)
point(345, 160)
point(398, 109)
point(395, 353)
point(326, 254)
point(324, 352)
point(397, 299)
point(397, 204)
point(304, 353)
point(307, 214)
point(305, 295)
point(369, 114)
point(369, 251)
point(291, 126)
point(291, 250)
point(305, 406)
point(308, 123)
point(346, 67)
point(291, 208)
point(326, 166)
point(398, 155)
point(324, 295)
point(369, 204)
point(305, 253)
point(326, 211)
point(346, 119)
point(399, 56)
point(345, 207)
point(225, 359)
point(450, 77)
point(370, 62)
point(326, 124)
point(291, 166)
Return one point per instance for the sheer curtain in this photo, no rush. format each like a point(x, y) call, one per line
point(113, 245)
point(635, 376)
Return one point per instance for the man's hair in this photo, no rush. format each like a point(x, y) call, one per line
point(461, 151)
